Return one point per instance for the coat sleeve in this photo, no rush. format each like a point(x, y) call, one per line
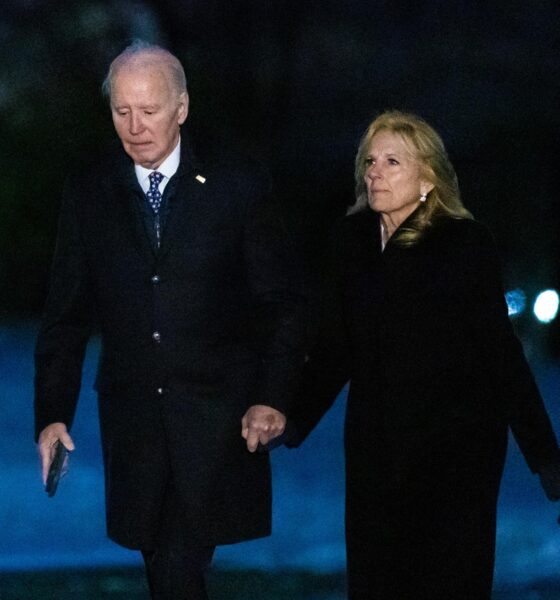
point(65, 327)
point(278, 296)
point(478, 281)
point(327, 368)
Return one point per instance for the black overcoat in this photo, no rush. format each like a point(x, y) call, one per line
point(192, 335)
point(436, 377)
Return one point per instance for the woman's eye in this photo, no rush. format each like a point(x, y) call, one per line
point(393, 161)
point(369, 162)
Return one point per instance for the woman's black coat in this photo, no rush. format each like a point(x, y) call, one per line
point(436, 377)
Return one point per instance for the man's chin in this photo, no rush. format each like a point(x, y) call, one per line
point(148, 161)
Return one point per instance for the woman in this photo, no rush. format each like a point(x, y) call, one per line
point(436, 374)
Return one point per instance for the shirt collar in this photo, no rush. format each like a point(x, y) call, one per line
point(168, 167)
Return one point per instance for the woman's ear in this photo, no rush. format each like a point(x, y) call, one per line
point(426, 187)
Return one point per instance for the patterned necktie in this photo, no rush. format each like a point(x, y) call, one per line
point(153, 194)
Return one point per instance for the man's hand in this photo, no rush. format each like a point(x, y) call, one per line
point(47, 440)
point(261, 424)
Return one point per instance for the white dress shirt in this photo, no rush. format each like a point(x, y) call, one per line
point(168, 168)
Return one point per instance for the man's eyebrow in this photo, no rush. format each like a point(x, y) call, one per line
point(141, 106)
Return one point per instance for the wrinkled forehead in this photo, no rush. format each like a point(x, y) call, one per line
point(143, 80)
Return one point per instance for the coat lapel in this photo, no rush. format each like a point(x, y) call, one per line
point(187, 195)
point(187, 192)
point(129, 194)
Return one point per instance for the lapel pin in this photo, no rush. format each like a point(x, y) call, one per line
point(200, 179)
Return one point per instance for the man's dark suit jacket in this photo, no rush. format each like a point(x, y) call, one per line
point(192, 335)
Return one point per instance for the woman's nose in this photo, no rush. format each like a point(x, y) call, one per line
point(373, 172)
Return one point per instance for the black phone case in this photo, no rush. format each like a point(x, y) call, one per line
point(55, 470)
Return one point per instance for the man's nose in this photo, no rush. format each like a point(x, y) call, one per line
point(135, 124)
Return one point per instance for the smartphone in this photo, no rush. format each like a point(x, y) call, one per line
point(57, 469)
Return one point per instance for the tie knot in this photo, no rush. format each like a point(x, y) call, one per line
point(155, 179)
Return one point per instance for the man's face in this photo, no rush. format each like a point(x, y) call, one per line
point(147, 112)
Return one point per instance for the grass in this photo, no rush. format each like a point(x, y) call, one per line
point(129, 584)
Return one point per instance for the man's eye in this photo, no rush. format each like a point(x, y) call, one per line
point(148, 112)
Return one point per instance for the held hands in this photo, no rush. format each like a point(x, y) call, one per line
point(46, 445)
point(261, 424)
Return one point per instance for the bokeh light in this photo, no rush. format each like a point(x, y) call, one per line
point(546, 306)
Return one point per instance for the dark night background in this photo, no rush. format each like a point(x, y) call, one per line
point(294, 84)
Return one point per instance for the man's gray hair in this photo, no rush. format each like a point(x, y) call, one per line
point(144, 54)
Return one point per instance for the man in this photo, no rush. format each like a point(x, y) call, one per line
point(187, 271)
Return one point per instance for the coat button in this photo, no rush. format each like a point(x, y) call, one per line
point(156, 336)
point(155, 279)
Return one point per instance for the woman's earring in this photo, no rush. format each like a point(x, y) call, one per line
point(423, 197)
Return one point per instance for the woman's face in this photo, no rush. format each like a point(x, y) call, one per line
point(392, 177)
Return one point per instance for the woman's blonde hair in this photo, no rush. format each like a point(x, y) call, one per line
point(427, 147)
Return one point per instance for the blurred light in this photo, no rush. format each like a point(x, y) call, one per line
point(546, 306)
point(516, 301)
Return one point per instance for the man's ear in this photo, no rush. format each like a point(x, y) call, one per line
point(183, 109)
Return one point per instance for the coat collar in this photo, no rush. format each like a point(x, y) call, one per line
point(124, 167)
point(368, 225)
point(391, 246)
point(187, 190)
